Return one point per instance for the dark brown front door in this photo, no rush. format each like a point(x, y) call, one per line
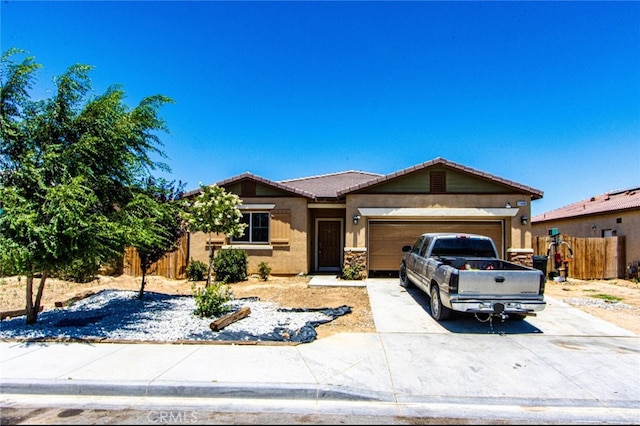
point(329, 240)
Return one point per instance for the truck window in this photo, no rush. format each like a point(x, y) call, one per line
point(416, 247)
point(425, 246)
point(469, 247)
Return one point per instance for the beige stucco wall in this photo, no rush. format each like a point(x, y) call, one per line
point(284, 259)
point(582, 227)
point(517, 236)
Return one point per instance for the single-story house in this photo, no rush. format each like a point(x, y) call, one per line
point(319, 224)
point(615, 213)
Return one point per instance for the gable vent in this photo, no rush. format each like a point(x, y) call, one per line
point(437, 182)
point(248, 188)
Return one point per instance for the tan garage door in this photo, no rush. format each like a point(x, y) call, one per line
point(387, 238)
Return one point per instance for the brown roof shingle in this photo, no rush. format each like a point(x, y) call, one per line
point(329, 185)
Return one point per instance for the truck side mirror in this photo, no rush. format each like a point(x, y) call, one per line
point(406, 249)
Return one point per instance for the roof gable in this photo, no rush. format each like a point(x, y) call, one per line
point(264, 187)
point(462, 180)
point(613, 201)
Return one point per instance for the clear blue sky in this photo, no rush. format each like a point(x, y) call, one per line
point(543, 93)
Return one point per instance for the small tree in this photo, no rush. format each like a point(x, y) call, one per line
point(156, 223)
point(68, 166)
point(215, 211)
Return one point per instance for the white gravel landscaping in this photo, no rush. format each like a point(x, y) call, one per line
point(119, 315)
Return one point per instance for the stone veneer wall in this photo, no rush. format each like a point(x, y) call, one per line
point(356, 256)
point(521, 256)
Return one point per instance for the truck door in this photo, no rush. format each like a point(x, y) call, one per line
point(412, 259)
point(422, 263)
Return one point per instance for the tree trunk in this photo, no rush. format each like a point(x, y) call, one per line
point(33, 307)
point(141, 292)
point(210, 262)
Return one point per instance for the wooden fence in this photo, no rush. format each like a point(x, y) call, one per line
point(593, 258)
point(172, 265)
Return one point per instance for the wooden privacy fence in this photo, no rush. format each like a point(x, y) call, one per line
point(173, 265)
point(593, 258)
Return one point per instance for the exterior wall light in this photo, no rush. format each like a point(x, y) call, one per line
point(356, 218)
point(524, 219)
point(508, 205)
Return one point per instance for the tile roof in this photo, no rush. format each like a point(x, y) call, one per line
point(329, 185)
point(622, 199)
point(335, 185)
point(260, 179)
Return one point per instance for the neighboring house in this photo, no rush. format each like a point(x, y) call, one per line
point(615, 213)
point(321, 223)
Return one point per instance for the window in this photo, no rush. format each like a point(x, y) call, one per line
point(416, 246)
point(425, 246)
point(257, 230)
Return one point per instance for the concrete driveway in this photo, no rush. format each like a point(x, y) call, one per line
point(399, 310)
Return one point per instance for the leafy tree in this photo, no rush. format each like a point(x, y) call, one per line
point(68, 166)
point(155, 219)
point(215, 211)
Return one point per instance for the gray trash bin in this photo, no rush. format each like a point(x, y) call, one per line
point(540, 263)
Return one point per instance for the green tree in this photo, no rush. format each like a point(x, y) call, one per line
point(68, 166)
point(215, 211)
point(155, 218)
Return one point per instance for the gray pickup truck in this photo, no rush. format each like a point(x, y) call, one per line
point(464, 273)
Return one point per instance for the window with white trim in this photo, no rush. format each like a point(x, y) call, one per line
point(257, 230)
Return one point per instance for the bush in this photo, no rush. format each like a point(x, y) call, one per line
point(264, 270)
point(352, 272)
point(196, 270)
point(211, 300)
point(80, 271)
point(230, 265)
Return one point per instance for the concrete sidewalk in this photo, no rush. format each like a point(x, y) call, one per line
point(562, 364)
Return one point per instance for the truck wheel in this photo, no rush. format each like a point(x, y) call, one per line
point(404, 279)
point(439, 312)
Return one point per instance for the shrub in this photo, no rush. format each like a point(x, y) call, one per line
point(196, 270)
point(352, 272)
point(264, 270)
point(211, 300)
point(80, 271)
point(230, 265)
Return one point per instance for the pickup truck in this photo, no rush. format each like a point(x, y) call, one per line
point(464, 273)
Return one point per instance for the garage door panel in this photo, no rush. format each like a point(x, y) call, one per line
point(386, 239)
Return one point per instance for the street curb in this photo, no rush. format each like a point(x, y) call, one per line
point(191, 390)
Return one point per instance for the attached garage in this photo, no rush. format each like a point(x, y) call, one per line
point(386, 237)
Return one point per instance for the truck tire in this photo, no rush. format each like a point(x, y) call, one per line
point(404, 279)
point(439, 312)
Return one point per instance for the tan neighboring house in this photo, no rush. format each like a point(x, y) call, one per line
point(320, 223)
point(615, 213)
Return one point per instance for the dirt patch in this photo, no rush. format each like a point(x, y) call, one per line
point(294, 292)
point(621, 299)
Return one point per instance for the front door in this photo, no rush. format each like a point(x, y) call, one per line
point(329, 245)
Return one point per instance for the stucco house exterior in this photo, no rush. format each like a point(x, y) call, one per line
point(615, 213)
point(320, 223)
